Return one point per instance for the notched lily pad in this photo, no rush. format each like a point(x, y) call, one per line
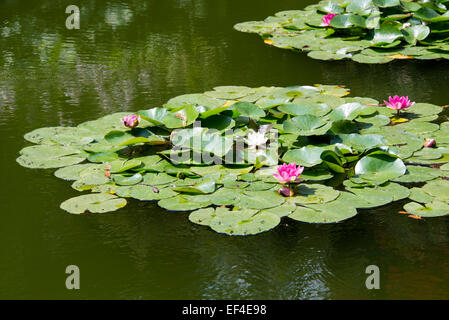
point(94, 203)
point(50, 156)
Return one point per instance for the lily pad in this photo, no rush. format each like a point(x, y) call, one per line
point(379, 167)
point(308, 156)
point(50, 156)
point(313, 193)
point(243, 222)
point(432, 209)
point(147, 193)
point(94, 203)
point(325, 213)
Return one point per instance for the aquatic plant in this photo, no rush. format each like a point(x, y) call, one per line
point(287, 173)
point(398, 103)
point(232, 157)
point(131, 121)
point(366, 31)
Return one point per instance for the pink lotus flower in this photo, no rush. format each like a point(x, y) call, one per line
point(428, 143)
point(398, 103)
point(288, 173)
point(131, 121)
point(327, 19)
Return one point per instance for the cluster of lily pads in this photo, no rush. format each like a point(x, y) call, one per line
point(240, 159)
point(366, 31)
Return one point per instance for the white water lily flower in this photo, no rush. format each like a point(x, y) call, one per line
point(406, 25)
point(255, 139)
point(344, 51)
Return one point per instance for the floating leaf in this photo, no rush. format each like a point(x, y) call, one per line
point(243, 222)
point(50, 156)
point(432, 209)
point(249, 110)
point(417, 174)
point(313, 193)
point(308, 156)
point(127, 180)
point(306, 125)
point(181, 203)
point(380, 167)
point(203, 187)
point(259, 200)
point(181, 118)
point(437, 188)
point(95, 203)
point(146, 193)
point(325, 213)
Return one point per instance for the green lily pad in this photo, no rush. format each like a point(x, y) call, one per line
point(94, 203)
point(432, 209)
point(155, 179)
point(243, 222)
point(438, 188)
point(417, 174)
point(72, 172)
point(61, 135)
point(313, 193)
point(181, 203)
point(147, 193)
point(306, 125)
point(249, 110)
point(324, 213)
point(50, 156)
point(373, 197)
point(308, 156)
point(380, 167)
point(181, 118)
point(259, 200)
point(206, 186)
point(122, 180)
point(202, 216)
point(419, 195)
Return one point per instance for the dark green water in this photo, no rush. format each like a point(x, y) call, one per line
point(131, 55)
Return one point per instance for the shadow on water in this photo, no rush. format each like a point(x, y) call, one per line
point(130, 55)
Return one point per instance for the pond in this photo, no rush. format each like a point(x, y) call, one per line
point(133, 55)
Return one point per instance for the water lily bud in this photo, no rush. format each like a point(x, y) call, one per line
point(286, 192)
point(428, 143)
point(131, 121)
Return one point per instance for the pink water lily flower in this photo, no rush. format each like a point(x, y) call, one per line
point(288, 173)
point(398, 103)
point(131, 121)
point(428, 143)
point(327, 19)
